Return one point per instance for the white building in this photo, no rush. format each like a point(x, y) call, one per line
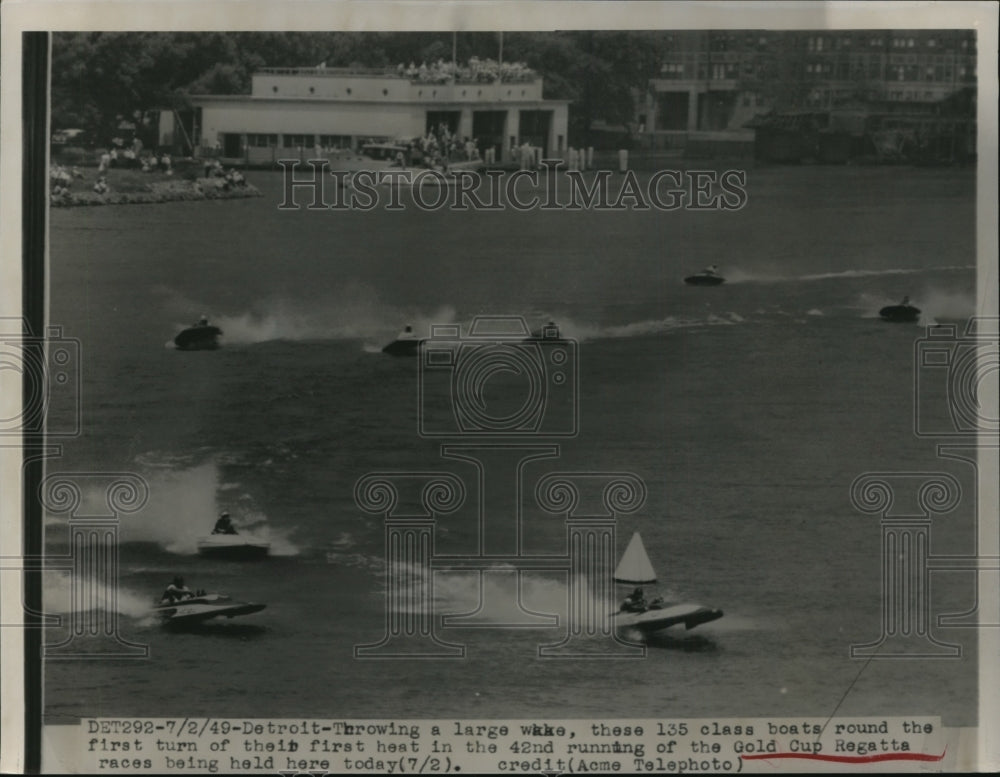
point(292, 111)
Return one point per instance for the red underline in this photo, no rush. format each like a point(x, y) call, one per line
point(848, 759)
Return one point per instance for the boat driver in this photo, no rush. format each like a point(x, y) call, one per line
point(711, 269)
point(203, 321)
point(634, 602)
point(224, 525)
point(176, 591)
point(407, 334)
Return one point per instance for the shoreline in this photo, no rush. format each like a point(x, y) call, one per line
point(157, 192)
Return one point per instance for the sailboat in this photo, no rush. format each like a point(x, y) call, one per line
point(635, 569)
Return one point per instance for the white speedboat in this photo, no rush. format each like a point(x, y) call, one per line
point(662, 615)
point(197, 609)
point(236, 547)
point(636, 614)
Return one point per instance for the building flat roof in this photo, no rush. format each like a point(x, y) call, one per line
point(498, 104)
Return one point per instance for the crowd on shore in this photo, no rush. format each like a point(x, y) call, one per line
point(479, 71)
point(437, 149)
point(220, 178)
point(134, 157)
point(124, 184)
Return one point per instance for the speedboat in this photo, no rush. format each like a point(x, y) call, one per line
point(201, 337)
point(548, 332)
point(402, 348)
point(636, 569)
point(705, 278)
point(662, 615)
point(203, 607)
point(406, 344)
point(903, 313)
point(234, 547)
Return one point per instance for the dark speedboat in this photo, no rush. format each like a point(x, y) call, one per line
point(707, 277)
point(548, 332)
point(406, 344)
point(901, 313)
point(200, 337)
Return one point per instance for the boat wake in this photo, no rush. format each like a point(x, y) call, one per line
point(354, 312)
point(736, 275)
point(182, 506)
point(64, 594)
point(582, 331)
point(504, 597)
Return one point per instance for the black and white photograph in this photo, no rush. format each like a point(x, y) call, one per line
point(519, 387)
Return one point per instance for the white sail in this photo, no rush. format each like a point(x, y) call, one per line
point(634, 567)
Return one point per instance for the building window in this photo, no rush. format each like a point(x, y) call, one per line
point(257, 140)
point(385, 92)
point(348, 90)
point(297, 141)
point(312, 90)
point(335, 141)
point(274, 89)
